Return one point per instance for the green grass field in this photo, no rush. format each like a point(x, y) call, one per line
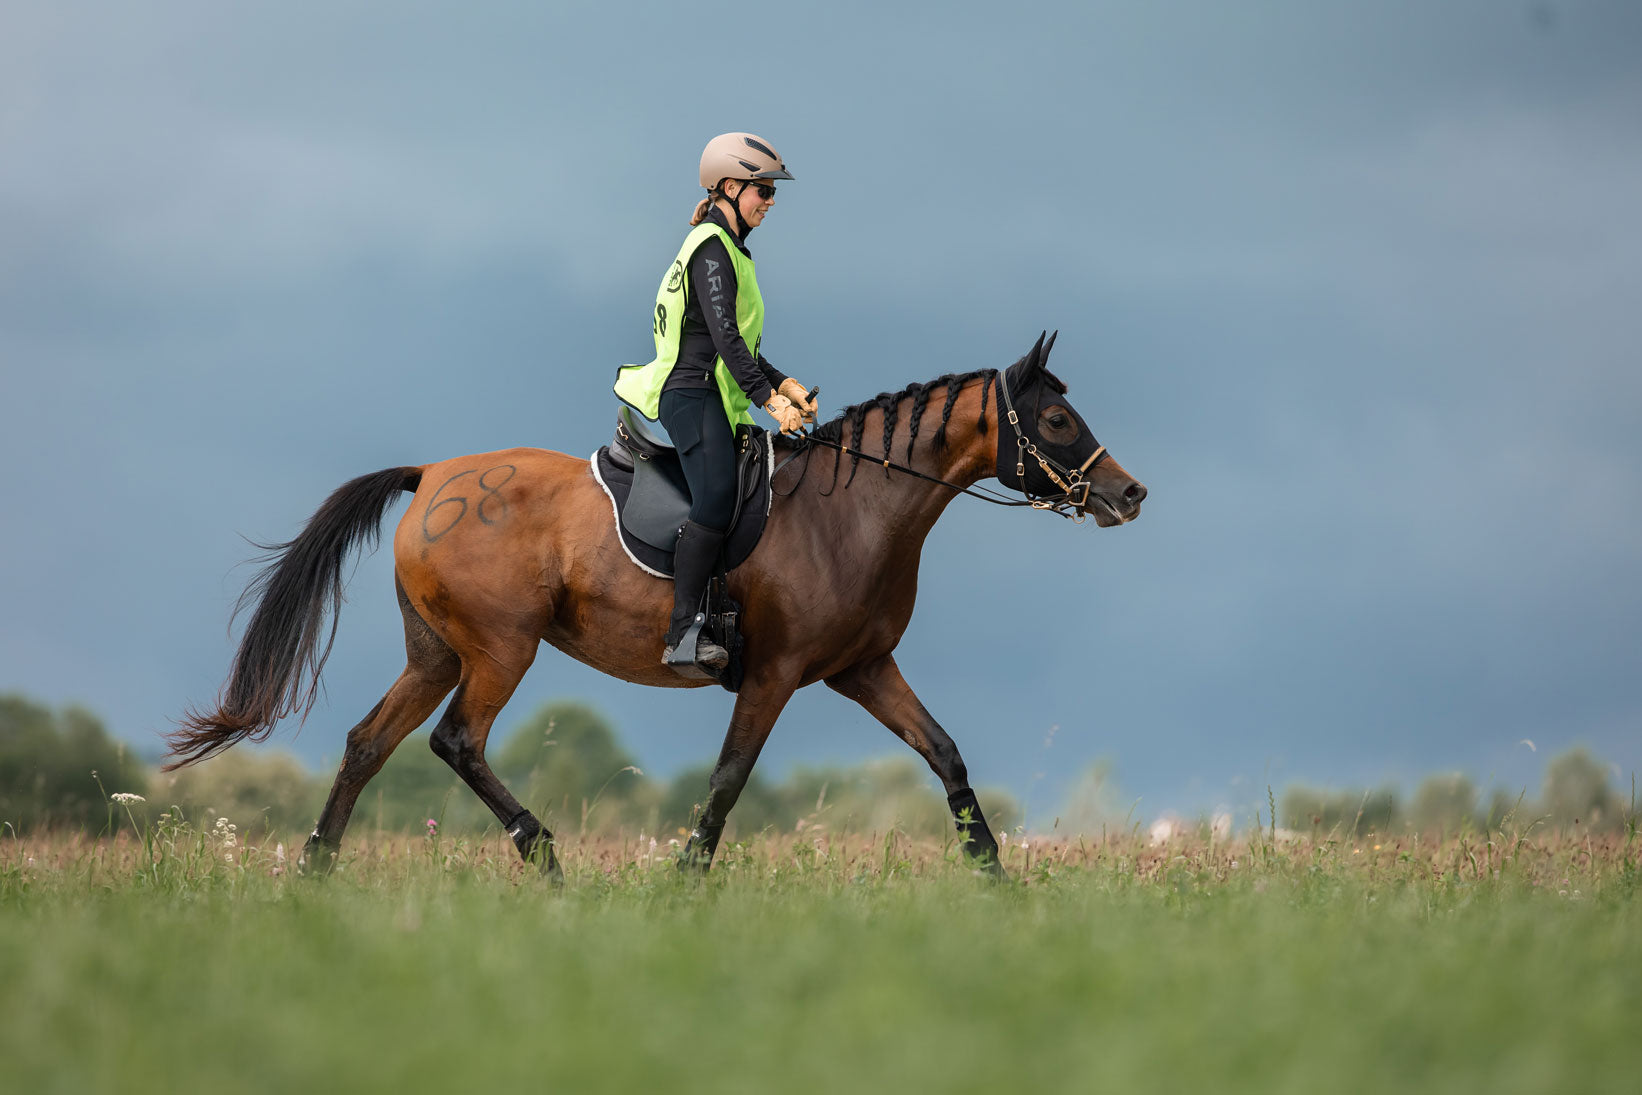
point(194, 963)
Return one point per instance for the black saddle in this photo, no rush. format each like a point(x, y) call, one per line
point(641, 474)
point(645, 483)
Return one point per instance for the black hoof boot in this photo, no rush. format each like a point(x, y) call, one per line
point(535, 845)
point(318, 857)
point(976, 844)
point(989, 868)
point(697, 855)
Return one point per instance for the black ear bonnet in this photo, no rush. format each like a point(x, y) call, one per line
point(1030, 386)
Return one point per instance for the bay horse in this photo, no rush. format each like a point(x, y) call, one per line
point(501, 551)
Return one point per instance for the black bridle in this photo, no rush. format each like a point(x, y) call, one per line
point(1069, 503)
point(1074, 487)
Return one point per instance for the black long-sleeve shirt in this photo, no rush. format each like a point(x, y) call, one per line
point(712, 293)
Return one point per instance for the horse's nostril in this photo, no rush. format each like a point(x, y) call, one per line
point(1134, 494)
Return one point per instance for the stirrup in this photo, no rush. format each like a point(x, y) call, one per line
point(694, 656)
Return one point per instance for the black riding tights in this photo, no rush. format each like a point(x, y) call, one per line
point(695, 420)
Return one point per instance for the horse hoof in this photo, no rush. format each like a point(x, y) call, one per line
point(317, 861)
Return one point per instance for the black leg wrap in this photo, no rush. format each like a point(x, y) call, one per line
point(318, 856)
point(699, 849)
point(535, 843)
point(974, 835)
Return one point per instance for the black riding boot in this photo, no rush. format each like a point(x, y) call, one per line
point(694, 560)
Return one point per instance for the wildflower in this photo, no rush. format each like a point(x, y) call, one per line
point(433, 827)
point(126, 798)
point(279, 853)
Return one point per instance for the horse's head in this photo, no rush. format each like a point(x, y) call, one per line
point(1048, 451)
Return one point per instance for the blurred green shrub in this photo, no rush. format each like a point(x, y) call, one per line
point(1576, 792)
point(1346, 813)
point(50, 765)
point(566, 764)
point(1444, 805)
point(258, 791)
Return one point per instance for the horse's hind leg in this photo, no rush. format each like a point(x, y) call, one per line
point(431, 671)
point(459, 740)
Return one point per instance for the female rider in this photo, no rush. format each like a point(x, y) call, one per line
point(708, 372)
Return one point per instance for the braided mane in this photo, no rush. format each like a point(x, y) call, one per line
point(890, 403)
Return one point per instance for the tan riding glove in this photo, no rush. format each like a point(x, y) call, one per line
point(797, 394)
point(787, 416)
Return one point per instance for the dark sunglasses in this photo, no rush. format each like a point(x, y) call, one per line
point(764, 190)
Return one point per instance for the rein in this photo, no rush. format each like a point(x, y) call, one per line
point(1068, 504)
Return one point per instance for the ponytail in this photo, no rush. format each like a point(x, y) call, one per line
point(706, 203)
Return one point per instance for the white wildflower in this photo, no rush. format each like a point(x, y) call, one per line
point(279, 853)
point(126, 798)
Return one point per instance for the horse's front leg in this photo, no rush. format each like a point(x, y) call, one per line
point(878, 686)
point(757, 706)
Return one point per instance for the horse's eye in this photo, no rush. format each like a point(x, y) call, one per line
point(1058, 422)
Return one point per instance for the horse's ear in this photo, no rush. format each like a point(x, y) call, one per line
point(1054, 382)
point(1023, 371)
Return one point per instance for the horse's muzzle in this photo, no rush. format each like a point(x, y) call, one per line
point(1109, 508)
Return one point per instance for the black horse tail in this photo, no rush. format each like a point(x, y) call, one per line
point(276, 672)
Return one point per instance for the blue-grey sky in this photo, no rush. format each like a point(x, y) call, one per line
point(1354, 288)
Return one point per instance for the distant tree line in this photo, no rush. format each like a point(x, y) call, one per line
point(1576, 793)
point(567, 763)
